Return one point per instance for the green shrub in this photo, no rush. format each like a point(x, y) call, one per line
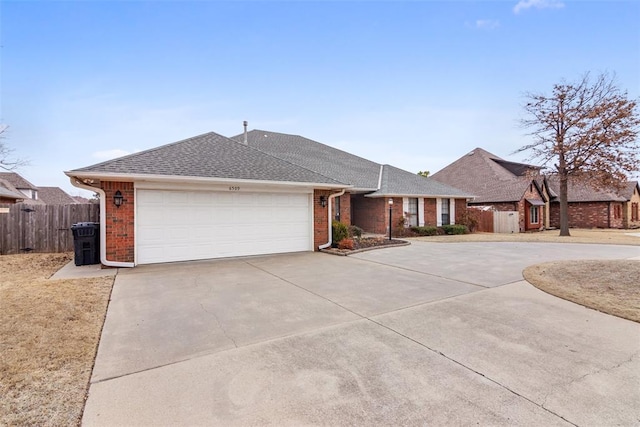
point(455, 229)
point(339, 231)
point(425, 231)
point(355, 231)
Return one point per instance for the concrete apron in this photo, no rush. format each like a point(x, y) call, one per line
point(316, 339)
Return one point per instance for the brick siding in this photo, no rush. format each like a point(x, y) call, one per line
point(524, 210)
point(631, 217)
point(589, 215)
point(369, 214)
point(345, 209)
point(119, 222)
point(320, 219)
point(461, 209)
point(431, 212)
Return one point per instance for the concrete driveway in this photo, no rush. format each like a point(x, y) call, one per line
point(423, 334)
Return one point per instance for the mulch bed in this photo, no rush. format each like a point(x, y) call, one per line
point(367, 244)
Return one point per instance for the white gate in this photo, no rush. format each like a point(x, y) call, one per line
point(506, 222)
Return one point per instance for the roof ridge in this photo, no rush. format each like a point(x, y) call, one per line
point(285, 160)
point(312, 140)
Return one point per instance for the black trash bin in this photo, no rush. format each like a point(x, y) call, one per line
point(86, 243)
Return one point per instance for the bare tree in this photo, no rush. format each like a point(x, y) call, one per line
point(7, 161)
point(586, 130)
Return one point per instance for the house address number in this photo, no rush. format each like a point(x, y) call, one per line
point(234, 188)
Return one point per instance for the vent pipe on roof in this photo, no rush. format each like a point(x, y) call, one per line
point(245, 123)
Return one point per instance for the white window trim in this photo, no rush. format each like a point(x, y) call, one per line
point(405, 210)
point(537, 209)
point(439, 212)
point(452, 211)
point(421, 212)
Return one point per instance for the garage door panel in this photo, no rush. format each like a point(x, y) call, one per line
point(180, 226)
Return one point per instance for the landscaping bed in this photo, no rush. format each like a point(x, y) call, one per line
point(366, 244)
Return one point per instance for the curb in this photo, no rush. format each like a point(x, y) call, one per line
point(356, 251)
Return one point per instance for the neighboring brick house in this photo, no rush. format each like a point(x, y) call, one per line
point(16, 189)
point(211, 197)
point(631, 209)
point(16, 183)
point(500, 184)
point(9, 194)
point(593, 208)
point(55, 196)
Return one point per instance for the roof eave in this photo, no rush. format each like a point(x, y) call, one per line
point(440, 196)
point(110, 176)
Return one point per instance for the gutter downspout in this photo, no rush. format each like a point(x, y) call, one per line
point(331, 197)
point(103, 226)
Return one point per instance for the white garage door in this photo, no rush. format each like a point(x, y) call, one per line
point(190, 225)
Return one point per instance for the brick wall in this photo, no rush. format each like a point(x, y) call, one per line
point(632, 211)
point(345, 209)
point(320, 219)
point(524, 210)
point(397, 212)
point(461, 209)
point(119, 222)
point(590, 215)
point(430, 212)
point(368, 214)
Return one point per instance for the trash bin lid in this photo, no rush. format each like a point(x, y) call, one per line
point(85, 225)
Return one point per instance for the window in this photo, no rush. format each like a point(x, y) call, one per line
point(336, 209)
point(413, 213)
point(617, 211)
point(533, 215)
point(445, 212)
point(634, 212)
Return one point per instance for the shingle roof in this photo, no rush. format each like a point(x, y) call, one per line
point(17, 181)
point(81, 200)
point(211, 156)
point(490, 178)
point(55, 196)
point(12, 192)
point(398, 182)
point(582, 192)
point(363, 174)
point(629, 188)
point(9, 191)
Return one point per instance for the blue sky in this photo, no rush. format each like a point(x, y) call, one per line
point(416, 84)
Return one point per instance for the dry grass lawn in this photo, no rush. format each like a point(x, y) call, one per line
point(612, 287)
point(49, 331)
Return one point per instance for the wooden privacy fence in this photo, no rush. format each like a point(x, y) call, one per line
point(42, 228)
point(485, 220)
